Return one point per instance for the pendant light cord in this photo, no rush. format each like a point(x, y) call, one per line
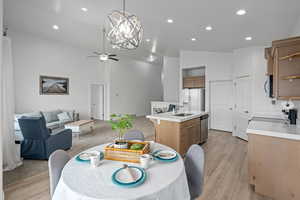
point(103, 40)
point(124, 7)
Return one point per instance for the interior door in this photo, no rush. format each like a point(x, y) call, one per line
point(221, 93)
point(97, 101)
point(242, 106)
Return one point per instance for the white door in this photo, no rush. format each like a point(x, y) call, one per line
point(242, 106)
point(97, 101)
point(221, 93)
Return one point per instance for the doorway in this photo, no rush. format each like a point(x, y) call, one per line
point(97, 101)
point(242, 106)
point(221, 105)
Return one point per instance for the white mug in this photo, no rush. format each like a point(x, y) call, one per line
point(94, 161)
point(145, 160)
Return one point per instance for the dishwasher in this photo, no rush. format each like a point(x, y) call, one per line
point(204, 128)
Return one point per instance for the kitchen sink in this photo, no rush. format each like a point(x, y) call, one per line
point(183, 114)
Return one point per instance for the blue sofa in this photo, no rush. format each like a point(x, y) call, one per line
point(39, 142)
point(51, 118)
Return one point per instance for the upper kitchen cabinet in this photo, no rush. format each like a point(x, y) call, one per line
point(284, 67)
point(193, 78)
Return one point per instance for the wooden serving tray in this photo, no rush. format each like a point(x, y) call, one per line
point(126, 155)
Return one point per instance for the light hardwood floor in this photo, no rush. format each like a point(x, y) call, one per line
point(225, 169)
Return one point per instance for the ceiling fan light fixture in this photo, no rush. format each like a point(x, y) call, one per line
point(103, 57)
point(126, 29)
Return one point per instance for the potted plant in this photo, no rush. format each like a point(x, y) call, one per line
point(121, 123)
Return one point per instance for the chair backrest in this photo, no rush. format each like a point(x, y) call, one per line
point(194, 167)
point(34, 128)
point(134, 135)
point(57, 160)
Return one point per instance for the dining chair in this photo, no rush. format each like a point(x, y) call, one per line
point(134, 135)
point(57, 160)
point(194, 167)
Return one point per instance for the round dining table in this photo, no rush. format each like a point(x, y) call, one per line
point(80, 181)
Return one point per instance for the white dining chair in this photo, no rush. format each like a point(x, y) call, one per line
point(194, 167)
point(134, 135)
point(57, 160)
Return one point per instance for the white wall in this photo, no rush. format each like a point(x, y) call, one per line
point(133, 85)
point(34, 56)
point(1, 157)
point(251, 61)
point(296, 29)
point(218, 67)
point(170, 79)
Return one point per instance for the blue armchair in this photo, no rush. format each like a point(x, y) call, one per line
point(39, 142)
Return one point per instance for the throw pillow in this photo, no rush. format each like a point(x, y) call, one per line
point(64, 117)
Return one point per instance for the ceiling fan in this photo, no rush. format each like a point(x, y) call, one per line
point(104, 56)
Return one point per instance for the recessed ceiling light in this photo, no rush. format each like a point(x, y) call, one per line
point(84, 9)
point(248, 38)
point(208, 28)
point(170, 21)
point(193, 39)
point(148, 40)
point(55, 27)
point(241, 12)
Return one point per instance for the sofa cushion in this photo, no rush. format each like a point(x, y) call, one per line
point(64, 117)
point(70, 113)
point(53, 125)
point(33, 114)
point(51, 116)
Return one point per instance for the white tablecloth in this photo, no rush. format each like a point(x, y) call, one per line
point(79, 181)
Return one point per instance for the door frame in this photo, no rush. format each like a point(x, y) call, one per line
point(210, 92)
point(104, 99)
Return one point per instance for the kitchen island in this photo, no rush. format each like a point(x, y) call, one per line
point(179, 131)
point(274, 158)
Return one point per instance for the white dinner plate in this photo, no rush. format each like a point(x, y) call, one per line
point(123, 176)
point(166, 154)
point(87, 155)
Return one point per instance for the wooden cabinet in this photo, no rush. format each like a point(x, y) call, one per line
point(194, 82)
point(283, 63)
point(180, 136)
point(274, 166)
point(190, 134)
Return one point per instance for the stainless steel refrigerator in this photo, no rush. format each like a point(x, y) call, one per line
point(194, 99)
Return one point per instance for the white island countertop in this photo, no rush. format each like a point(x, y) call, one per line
point(169, 116)
point(274, 129)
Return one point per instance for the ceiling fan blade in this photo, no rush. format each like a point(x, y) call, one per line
point(92, 56)
point(115, 59)
point(112, 55)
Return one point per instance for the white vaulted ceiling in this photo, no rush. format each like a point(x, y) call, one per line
point(265, 21)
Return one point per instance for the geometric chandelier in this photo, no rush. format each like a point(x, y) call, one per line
point(126, 29)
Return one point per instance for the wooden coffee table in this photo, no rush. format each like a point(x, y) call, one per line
point(80, 127)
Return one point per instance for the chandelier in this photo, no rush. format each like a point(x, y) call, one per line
point(126, 29)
